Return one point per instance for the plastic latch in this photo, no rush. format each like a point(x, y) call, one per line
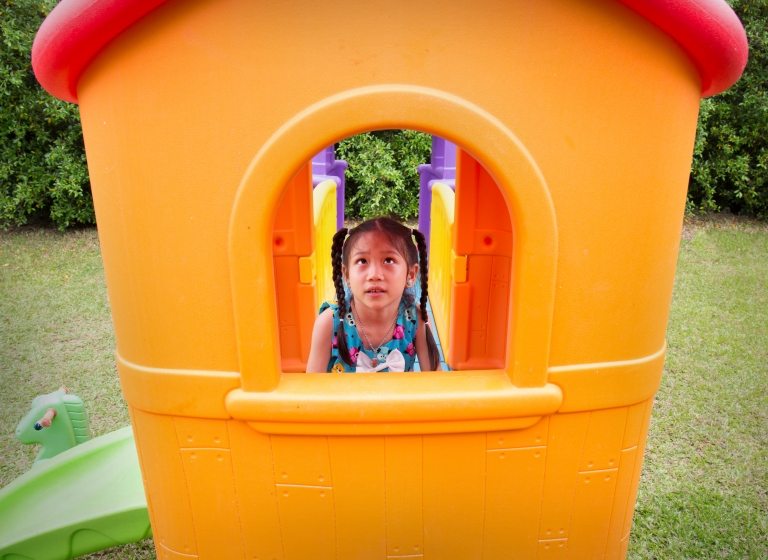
point(306, 270)
point(459, 268)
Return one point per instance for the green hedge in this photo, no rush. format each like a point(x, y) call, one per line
point(382, 177)
point(43, 174)
point(730, 162)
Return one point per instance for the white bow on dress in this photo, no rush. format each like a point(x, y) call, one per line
point(394, 362)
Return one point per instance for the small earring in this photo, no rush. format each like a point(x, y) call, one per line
point(409, 283)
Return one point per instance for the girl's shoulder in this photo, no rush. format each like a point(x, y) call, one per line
point(329, 305)
point(334, 311)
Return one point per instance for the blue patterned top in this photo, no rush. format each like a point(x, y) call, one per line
point(399, 354)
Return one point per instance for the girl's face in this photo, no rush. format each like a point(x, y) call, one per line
point(376, 272)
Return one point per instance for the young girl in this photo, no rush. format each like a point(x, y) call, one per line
point(378, 327)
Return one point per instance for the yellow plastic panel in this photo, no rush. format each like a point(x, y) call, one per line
point(635, 479)
point(252, 472)
point(324, 202)
point(637, 424)
point(303, 507)
point(554, 549)
point(454, 494)
point(305, 496)
point(306, 270)
point(441, 260)
point(566, 436)
point(459, 267)
point(212, 496)
point(593, 504)
point(360, 504)
point(515, 479)
point(301, 461)
point(603, 441)
point(623, 501)
point(404, 466)
point(170, 508)
point(200, 433)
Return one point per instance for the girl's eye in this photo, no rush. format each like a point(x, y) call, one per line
point(361, 261)
point(389, 260)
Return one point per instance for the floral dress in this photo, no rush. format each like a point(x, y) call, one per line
point(399, 354)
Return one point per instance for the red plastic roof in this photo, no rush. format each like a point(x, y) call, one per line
point(77, 30)
point(74, 33)
point(708, 30)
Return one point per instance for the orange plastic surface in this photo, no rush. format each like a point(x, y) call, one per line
point(199, 123)
point(483, 234)
point(292, 239)
point(471, 266)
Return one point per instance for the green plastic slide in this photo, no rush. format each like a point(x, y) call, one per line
point(85, 499)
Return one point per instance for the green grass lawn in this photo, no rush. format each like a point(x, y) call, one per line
point(705, 478)
point(55, 330)
point(703, 488)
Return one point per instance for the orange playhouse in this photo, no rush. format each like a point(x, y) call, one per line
point(553, 261)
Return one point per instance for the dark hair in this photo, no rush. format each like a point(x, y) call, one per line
point(402, 238)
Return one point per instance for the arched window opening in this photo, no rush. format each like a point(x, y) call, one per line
point(428, 183)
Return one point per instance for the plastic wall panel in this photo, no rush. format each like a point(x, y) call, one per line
point(324, 207)
point(442, 260)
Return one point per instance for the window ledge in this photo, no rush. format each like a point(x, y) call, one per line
point(393, 403)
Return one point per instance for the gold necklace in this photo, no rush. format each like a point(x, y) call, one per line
point(387, 337)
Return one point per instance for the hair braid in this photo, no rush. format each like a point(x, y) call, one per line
point(337, 248)
point(424, 271)
point(421, 244)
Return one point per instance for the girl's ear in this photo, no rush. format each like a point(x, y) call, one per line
point(413, 273)
point(344, 274)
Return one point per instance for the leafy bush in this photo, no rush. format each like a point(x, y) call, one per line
point(730, 163)
point(382, 177)
point(43, 173)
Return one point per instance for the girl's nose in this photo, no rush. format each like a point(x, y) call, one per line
point(374, 271)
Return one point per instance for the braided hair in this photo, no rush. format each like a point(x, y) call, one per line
point(400, 237)
point(421, 244)
point(337, 253)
